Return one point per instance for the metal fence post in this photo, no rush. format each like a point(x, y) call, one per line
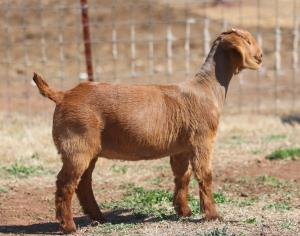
point(87, 39)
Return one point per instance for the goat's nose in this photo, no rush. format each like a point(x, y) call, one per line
point(258, 57)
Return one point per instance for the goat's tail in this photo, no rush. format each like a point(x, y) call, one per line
point(45, 90)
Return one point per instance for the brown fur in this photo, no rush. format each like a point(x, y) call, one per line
point(144, 122)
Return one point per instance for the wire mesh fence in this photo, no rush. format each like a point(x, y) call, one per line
point(146, 41)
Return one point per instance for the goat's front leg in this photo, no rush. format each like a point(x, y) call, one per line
point(201, 164)
point(182, 172)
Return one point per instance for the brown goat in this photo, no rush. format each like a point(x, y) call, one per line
point(144, 122)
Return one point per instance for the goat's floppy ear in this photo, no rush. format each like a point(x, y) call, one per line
point(237, 52)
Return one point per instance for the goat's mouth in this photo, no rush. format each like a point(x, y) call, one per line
point(258, 59)
point(255, 63)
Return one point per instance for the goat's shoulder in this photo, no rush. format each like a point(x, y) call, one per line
point(202, 106)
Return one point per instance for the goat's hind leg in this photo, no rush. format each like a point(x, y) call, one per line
point(201, 163)
point(86, 196)
point(66, 184)
point(182, 173)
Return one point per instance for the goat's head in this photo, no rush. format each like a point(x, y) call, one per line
point(243, 48)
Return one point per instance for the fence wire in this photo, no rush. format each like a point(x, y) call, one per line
point(146, 41)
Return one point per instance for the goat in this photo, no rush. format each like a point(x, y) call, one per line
point(144, 122)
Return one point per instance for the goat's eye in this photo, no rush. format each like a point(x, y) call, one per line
point(248, 41)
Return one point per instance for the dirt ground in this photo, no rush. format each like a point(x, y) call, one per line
point(261, 196)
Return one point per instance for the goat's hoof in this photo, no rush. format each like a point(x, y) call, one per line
point(213, 217)
point(68, 227)
point(184, 212)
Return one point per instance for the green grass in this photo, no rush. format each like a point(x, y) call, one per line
point(155, 202)
point(21, 171)
point(119, 169)
point(284, 154)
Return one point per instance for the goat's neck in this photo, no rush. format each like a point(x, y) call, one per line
point(218, 70)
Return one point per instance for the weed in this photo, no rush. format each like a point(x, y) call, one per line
point(216, 232)
point(284, 153)
point(275, 137)
point(221, 198)
point(157, 202)
point(251, 220)
point(281, 206)
point(3, 190)
point(287, 224)
point(119, 169)
point(236, 139)
point(35, 155)
point(246, 202)
point(156, 180)
point(244, 180)
point(194, 205)
point(110, 228)
point(256, 151)
point(20, 170)
point(193, 182)
point(270, 180)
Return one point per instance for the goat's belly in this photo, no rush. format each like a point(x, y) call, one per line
point(111, 154)
point(135, 152)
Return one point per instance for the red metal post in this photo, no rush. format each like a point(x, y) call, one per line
point(87, 39)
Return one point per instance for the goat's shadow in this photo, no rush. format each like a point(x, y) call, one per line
point(291, 119)
point(117, 216)
point(50, 228)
